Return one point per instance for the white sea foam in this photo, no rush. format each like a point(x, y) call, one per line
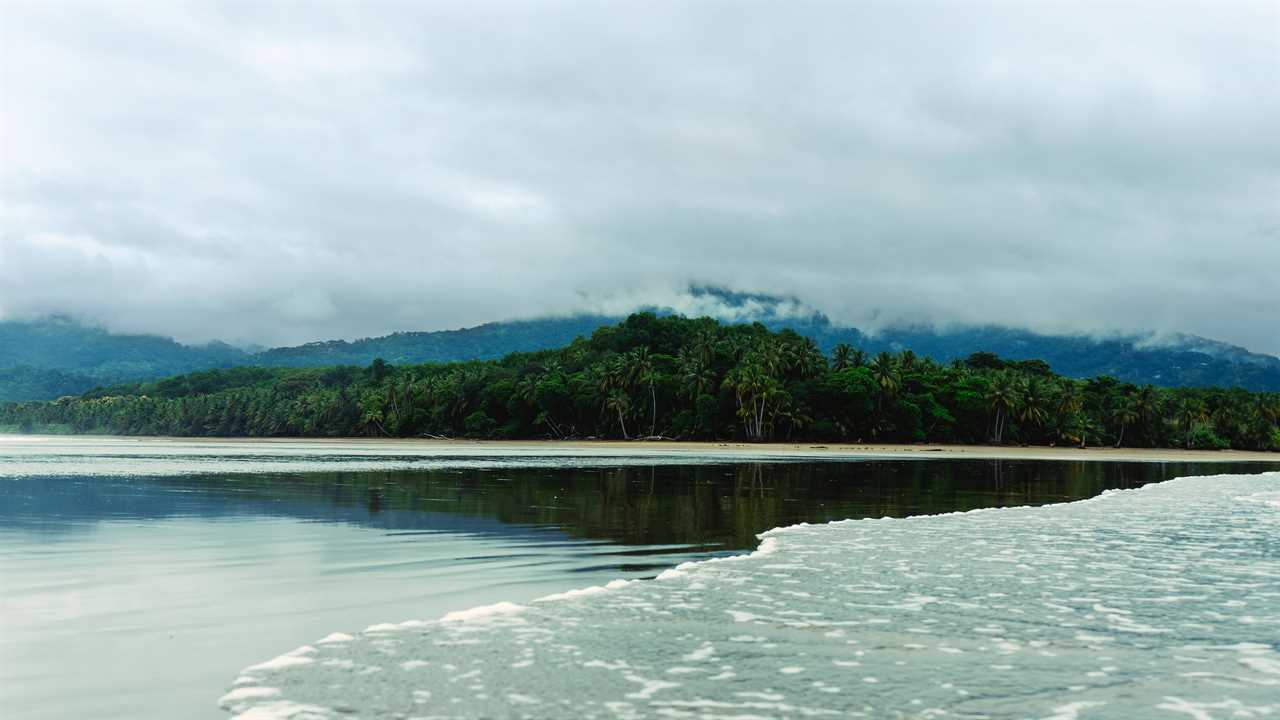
point(244, 693)
point(484, 611)
point(289, 659)
point(1269, 499)
point(583, 592)
point(283, 710)
point(1153, 602)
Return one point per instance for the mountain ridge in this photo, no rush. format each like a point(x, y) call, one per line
point(42, 359)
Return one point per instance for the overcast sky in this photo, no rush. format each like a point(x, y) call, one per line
point(278, 173)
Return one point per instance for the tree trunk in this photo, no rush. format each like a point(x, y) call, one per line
point(653, 422)
point(395, 407)
point(555, 426)
point(623, 424)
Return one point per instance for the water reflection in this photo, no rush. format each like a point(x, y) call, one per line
point(703, 506)
point(138, 596)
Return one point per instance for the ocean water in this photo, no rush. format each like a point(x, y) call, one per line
point(137, 577)
point(1161, 601)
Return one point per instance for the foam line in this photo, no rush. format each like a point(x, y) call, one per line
point(1138, 603)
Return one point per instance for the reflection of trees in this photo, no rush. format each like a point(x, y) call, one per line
point(712, 506)
point(749, 480)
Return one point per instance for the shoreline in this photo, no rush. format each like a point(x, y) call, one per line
point(744, 450)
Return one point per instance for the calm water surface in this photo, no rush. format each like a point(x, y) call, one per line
point(139, 591)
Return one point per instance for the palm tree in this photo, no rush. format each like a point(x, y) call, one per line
point(809, 360)
point(1264, 422)
point(1069, 402)
point(885, 373)
point(842, 357)
point(1082, 426)
point(1068, 397)
point(1035, 409)
point(696, 376)
point(1123, 414)
point(1191, 413)
point(775, 357)
point(526, 390)
point(1003, 397)
point(642, 370)
point(613, 374)
point(454, 388)
point(755, 389)
point(1267, 409)
point(704, 346)
point(1148, 406)
point(618, 402)
point(795, 419)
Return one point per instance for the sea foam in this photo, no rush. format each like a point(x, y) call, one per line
point(1158, 602)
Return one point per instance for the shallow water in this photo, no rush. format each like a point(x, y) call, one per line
point(1157, 602)
point(137, 577)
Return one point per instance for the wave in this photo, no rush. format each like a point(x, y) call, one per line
point(1137, 603)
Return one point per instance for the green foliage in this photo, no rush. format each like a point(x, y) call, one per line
point(675, 377)
point(44, 359)
point(85, 356)
point(1202, 437)
point(28, 383)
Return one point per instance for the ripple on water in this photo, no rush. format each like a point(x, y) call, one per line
point(1161, 601)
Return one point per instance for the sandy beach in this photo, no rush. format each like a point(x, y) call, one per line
point(886, 451)
point(864, 450)
point(401, 446)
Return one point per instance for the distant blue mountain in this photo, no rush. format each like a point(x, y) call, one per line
point(58, 356)
point(483, 342)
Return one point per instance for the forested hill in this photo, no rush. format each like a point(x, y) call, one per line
point(50, 358)
point(1177, 361)
point(484, 342)
point(674, 377)
point(59, 356)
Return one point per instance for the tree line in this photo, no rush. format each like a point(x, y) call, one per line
point(678, 378)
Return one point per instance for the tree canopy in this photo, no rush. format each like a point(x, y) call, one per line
point(681, 378)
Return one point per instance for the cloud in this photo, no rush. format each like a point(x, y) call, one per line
point(260, 174)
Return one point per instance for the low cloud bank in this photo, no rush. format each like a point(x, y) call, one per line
point(209, 171)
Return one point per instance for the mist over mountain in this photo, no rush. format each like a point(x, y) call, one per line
point(380, 167)
point(59, 355)
point(56, 356)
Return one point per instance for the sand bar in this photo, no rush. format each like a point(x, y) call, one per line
point(675, 448)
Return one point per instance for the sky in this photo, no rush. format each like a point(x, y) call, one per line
point(276, 173)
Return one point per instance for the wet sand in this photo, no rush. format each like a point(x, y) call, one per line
point(807, 450)
point(745, 450)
